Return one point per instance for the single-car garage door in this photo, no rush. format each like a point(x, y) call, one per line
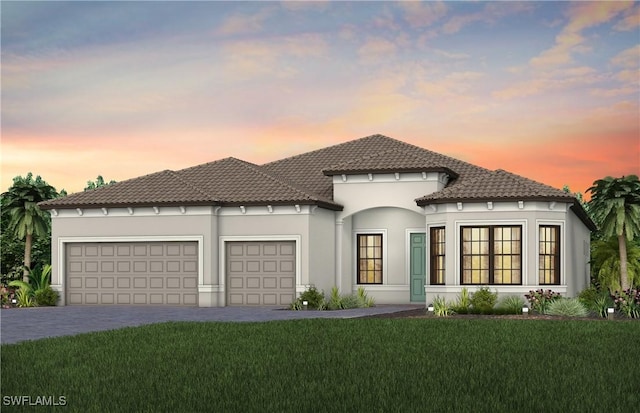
point(261, 273)
point(153, 273)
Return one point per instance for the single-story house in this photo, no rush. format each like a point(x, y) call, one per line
point(405, 223)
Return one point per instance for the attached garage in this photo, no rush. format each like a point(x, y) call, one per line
point(151, 273)
point(260, 272)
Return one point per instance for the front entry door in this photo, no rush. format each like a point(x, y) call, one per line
point(417, 266)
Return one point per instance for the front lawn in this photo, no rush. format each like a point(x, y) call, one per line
point(370, 365)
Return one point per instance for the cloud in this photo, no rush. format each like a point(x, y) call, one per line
point(452, 55)
point(628, 58)
point(491, 13)
point(375, 48)
point(244, 23)
point(419, 14)
point(582, 16)
point(559, 79)
point(630, 21)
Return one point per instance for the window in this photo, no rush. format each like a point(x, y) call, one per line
point(369, 258)
point(437, 242)
point(491, 255)
point(549, 258)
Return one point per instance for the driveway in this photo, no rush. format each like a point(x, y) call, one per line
point(20, 324)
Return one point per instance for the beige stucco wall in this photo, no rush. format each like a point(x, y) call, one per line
point(530, 215)
point(322, 238)
point(394, 224)
point(197, 223)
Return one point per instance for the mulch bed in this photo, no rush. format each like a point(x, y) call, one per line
point(422, 313)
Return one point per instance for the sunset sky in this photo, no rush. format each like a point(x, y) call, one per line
point(547, 90)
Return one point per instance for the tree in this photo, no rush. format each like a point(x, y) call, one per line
point(24, 219)
point(615, 206)
point(605, 263)
point(98, 183)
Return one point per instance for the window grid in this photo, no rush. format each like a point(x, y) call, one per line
point(491, 255)
point(369, 258)
point(549, 255)
point(437, 270)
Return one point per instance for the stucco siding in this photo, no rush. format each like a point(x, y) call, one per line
point(359, 193)
point(393, 223)
point(529, 215)
point(322, 238)
point(119, 225)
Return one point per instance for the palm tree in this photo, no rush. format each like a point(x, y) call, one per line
point(615, 205)
point(24, 218)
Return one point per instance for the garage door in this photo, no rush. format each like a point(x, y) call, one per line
point(261, 273)
point(152, 273)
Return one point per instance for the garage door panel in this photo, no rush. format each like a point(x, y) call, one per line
point(259, 274)
point(132, 273)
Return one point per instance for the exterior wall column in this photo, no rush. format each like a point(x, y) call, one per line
point(338, 275)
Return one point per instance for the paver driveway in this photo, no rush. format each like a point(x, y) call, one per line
point(19, 324)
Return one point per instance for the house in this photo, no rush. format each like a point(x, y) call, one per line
point(403, 222)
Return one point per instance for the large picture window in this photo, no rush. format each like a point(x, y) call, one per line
point(369, 258)
point(549, 258)
point(491, 255)
point(437, 248)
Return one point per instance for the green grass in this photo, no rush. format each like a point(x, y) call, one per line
point(353, 365)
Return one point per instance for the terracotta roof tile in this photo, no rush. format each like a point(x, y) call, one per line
point(160, 188)
point(307, 169)
point(496, 185)
point(391, 160)
point(306, 179)
point(233, 181)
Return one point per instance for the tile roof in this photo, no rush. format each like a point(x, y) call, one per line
point(307, 179)
point(232, 181)
point(307, 169)
point(160, 188)
point(391, 160)
point(496, 185)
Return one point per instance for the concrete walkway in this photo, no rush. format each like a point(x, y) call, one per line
point(20, 324)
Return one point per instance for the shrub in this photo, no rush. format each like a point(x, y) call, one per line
point(463, 302)
point(596, 300)
point(539, 299)
point(441, 308)
point(349, 301)
point(364, 300)
point(335, 301)
point(313, 297)
point(46, 297)
point(7, 294)
point(511, 304)
point(627, 302)
point(568, 307)
point(484, 300)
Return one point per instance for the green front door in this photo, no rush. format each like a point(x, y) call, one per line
point(417, 266)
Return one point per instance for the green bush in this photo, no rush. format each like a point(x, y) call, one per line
point(567, 307)
point(441, 308)
point(511, 304)
point(314, 298)
point(46, 297)
point(596, 300)
point(484, 300)
point(540, 299)
point(463, 302)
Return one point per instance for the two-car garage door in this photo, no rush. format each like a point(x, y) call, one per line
point(153, 273)
point(166, 273)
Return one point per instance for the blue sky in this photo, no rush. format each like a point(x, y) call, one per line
point(548, 90)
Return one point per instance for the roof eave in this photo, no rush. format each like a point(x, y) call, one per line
point(332, 172)
point(448, 200)
point(49, 206)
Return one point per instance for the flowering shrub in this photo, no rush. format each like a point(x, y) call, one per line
point(540, 299)
point(627, 302)
point(7, 294)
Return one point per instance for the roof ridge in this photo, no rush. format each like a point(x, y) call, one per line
point(337, 145)
point(174, 174)
point(259, 169)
